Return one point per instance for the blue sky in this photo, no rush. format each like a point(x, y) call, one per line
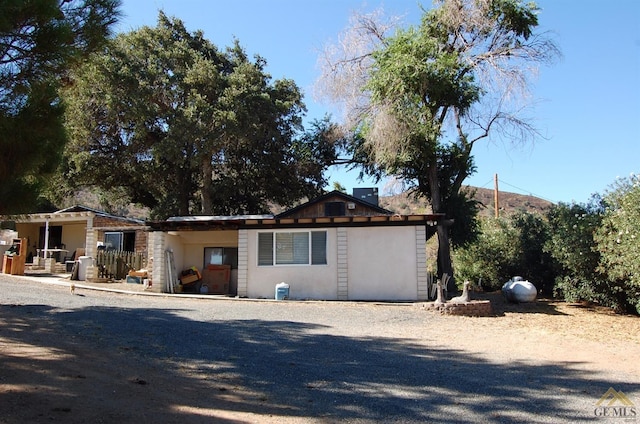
point(587, 103)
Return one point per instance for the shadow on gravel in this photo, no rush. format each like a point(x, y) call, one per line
point(500, 305)
point(271, 368)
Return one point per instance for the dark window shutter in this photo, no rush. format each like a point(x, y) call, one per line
point(265, 248)
point(334, 209)
point(318, 248)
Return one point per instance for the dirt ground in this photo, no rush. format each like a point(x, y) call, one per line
point(547, 330)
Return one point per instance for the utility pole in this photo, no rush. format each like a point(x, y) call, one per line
point(495, 195)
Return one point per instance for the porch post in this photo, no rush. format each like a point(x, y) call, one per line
point(158, 266)
point(46, 238)
point(90, 248)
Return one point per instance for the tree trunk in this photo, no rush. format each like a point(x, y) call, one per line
point(444, 255)
point(444, 245)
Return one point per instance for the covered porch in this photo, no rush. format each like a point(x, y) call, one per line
point(56, 240)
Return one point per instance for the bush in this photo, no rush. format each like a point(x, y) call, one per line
point(618, 241)
point(492, 257)
point(571, 245)
point(535, 264)
point(579, 252)
point(507, 247)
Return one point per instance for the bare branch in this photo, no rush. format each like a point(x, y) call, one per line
point(345, 64)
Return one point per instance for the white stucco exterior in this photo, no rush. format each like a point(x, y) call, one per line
point(382, 263)
point(363, 262)
point(305, 281)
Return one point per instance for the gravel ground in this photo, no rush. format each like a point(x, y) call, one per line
point(98, 356)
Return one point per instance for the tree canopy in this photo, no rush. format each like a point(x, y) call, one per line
point(40, 40)
point(165, 119)
point(427, 94)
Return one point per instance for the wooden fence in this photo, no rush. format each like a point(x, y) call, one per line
point(116, 264)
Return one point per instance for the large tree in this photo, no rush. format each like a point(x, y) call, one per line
point(164, 119)
point(422, 97)
point(40, 40)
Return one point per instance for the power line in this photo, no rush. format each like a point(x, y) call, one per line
point(486, 184)
point(526, 191)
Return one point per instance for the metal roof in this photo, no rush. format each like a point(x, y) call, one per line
point(203, 223)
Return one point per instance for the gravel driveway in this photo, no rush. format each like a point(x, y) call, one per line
point(106, 357)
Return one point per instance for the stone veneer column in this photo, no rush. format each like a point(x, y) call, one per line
point(343, 263)
point(243, 263)
point(90, 242)
point(421, 262)
point(159, 265)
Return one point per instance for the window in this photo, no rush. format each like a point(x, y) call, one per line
point(113, 241)
point(120, 241)
point(221, 256)
point(292, 248)
point(334, 209)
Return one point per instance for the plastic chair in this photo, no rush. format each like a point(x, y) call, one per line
point(434, 287)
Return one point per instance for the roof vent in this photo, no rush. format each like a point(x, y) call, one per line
point(369, 195)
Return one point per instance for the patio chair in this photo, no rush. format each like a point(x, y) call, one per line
point(430, 285)
point(434, 288)
point(70, 260)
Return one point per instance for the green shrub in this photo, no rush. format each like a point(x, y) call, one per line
point(582, 251)
point(571, 245)
point(492, 257)
point(507, 247)
point(618, 240)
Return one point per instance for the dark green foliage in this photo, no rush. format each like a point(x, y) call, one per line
point(534, 263)
point(494, 257)
point(164, 119)
point(593, 263)
point(40, 41)
point(579, 252)
point(25, 164)
point(571, 244)
point(508, 247)
point(618, 241)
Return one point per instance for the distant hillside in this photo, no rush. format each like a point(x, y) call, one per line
point(508, 203)
point(400, 203)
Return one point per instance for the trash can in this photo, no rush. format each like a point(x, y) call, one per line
point(84, 262)
point(282, 291)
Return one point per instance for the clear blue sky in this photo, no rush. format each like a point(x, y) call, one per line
point(588, 102)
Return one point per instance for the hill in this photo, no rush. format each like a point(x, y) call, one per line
point(401, 203)
point(508, 202)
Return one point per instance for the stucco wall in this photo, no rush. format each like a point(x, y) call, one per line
point(73, 236)
point(174, 243)
point(382, 263)
point(194, 242)
point(30, 232)
point(305, 281)
point(363, 263)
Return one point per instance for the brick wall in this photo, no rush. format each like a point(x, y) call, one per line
point(474, 308)
point(104, 224)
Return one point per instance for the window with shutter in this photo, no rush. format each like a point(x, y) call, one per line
point(265, 248)
point(292, 248)
point(318, 248)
